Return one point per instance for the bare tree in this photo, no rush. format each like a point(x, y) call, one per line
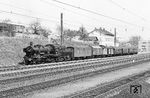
point(6, 21)
point(134, 40)
point(82, 32)
point(39, 30)
point(70, 33)
point(35, 27)
point(45, 32)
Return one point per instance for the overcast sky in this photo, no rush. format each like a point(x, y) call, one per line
point(135, 12)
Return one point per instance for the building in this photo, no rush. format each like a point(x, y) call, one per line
point(104, 37)
point(91, 38)
point(11, 29)
point(144, 46)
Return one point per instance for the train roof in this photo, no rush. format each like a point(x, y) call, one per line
point(126, 47)
point(55, 46)
point(95, 46)
point(82, 46)
point(110, 47)
point(102, 46)
point(73, 43)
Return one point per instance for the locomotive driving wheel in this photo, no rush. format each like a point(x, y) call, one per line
point(68, 58)
point(60, 59)
point(50, 60)
point(27, 60)
point(53, 60)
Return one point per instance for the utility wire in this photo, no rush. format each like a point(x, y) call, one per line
point(1, 3)
point(123, 8)
point(44, 1)
point(80, 14)
point(96, 13)
point(20, 8)
point(9, 5)
point(2, 11)
point(42, 13)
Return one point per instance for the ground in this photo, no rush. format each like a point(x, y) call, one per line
point(83, 84)
point(145, 90)
point(11, 49)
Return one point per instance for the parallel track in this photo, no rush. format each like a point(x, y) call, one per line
point(21, 67)
point(69, 67)
point(107, 90)
point(11, 82)
point(29, 88)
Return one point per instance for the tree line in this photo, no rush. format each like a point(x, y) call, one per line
point(34, 28)
point(37, 29)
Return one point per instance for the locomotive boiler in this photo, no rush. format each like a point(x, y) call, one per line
point(49, 53)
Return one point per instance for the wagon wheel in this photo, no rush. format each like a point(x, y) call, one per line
point(60, 59)
point(68, 58)
point(37, 61)
point(33, 62)
point(53, 60)
point(25, 62)
point(49, 60)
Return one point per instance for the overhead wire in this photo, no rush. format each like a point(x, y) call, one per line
point(10, 12)
point(81, 14)
point(79, 23)
point(61, 8)
point(130, 12)
point(21, 8)
point(125, 9)
point(96, 13)
point(36, 17)
point(9, 5)
point(29, 11)
point(43, 13)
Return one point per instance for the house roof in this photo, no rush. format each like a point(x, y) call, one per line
point(74, 43)
point(6, 24)
point(103, 31)
point(91, 38)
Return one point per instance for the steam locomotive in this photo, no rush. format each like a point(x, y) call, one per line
point(56, 53)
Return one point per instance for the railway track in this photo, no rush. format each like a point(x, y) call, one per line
point(23, 89)
point(69, 67)
point(66, 64)
point(22, 67)
point(12, 82)
point(109, 89)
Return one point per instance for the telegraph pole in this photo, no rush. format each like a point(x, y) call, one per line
point(115, 37)
point(61, 16)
